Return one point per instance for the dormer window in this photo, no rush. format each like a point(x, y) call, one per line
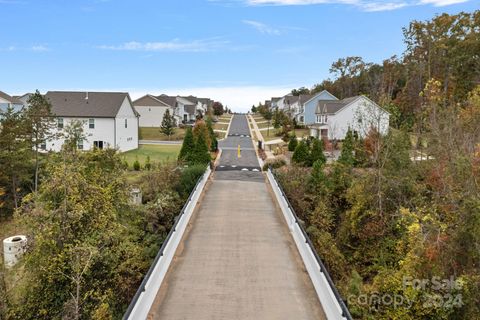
point(323, 118)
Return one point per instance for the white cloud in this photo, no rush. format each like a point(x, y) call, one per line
point(174, 45)
point(35, 48)
point(9, 48)
point(441, 3)
point(261, 27)
point(383, 6)
point(39, 48)
point(365, 5)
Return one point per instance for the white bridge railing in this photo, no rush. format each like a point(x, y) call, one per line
point(332, 303)
point(142, 301)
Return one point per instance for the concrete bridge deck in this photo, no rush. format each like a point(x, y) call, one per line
point(237, 260)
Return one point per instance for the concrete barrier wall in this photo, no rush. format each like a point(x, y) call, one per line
point(143, 300)
point(320, 279)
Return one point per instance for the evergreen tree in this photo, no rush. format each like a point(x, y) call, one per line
point(202, 129)
point(293, 143)
point(316, 153)
point(41, 124)
point(213, 137)
point(168, 124)
point(347, 156)
point(15, 155)
point(188, 146)
point(201, 155)
point(318, 180)
point(301, 155)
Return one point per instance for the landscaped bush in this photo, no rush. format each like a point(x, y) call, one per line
point(275, 163)
point(136, 165)
point(293, 143)
point(301, 154)
point(148, 164)
point(189, 178)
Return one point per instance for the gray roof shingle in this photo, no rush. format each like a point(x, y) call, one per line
point(332, 106)
point(76, 104)
point(10, 99)
point(169, 100)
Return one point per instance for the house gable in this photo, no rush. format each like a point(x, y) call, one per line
point(126, 110)
point(310, 106)
point(149, 101)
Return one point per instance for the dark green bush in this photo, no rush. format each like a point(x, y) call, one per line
point(293, 143)
point(189, 178)
point(136, 165)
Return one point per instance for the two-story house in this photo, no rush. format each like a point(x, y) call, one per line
point(109, 119)
point(333, 118)
point(7, 101)
point(152, 109)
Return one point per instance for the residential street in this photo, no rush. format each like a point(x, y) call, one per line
point(237, 259)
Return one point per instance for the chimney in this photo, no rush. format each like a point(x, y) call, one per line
point(86, 97)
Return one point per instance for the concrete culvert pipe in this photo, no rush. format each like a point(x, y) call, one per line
point(13, 249)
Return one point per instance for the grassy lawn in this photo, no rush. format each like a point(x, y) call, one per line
point(157, 153)
point(152, 133)
point(264, 125)
point(300, 133)
point(217, 126)
point(271, 134)
point(224, 117)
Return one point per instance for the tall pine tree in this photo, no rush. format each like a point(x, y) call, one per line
point(168, 124)
point(188, 146)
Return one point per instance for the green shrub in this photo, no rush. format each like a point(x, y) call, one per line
point(189, 178)
point(148, 164)
point(293, 143)
point(136, 165)
point(301, 154)
point(316, 154)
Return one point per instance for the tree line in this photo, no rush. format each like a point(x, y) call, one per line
point(405, 205)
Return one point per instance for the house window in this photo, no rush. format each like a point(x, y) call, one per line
point(126, 123)
point(80, 145)
point(43, 146)
point(60, 123)
point(98, 144)
point(91, 123)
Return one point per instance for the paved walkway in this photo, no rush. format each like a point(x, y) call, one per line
point(162, 142)
point(237, 259)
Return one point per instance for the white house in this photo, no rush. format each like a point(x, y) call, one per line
point(187, 109)
point(7, 101)
point(109, 119)
point(333, 118)
point(152, 109)
point(184, 109)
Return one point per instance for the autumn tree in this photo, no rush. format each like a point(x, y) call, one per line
point(217, 108)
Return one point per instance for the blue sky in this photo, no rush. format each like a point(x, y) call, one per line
point(236, 51)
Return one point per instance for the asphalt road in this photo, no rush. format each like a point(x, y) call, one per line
point(232, 167)
point(237, 260)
